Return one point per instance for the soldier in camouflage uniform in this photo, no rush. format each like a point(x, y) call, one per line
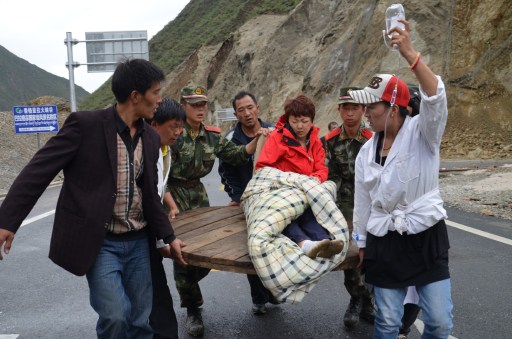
point(193, 156)
point(342, 146)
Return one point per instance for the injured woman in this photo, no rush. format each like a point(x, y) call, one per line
point(296, 232)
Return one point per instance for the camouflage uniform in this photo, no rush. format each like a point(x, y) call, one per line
point(341, 153)
point(193, 156)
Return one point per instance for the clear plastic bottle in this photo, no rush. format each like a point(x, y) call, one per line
point(393, 13)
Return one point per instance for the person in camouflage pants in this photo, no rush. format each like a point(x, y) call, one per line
point(341, 147)
point(193, 156)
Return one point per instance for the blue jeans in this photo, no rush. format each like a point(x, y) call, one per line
point(120, 289)
point(435, 302)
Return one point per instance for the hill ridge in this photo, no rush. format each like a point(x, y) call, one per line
point(23, 81)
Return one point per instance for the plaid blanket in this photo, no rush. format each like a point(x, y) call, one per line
point(271, 201)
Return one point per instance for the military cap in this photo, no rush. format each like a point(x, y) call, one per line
point(193, 94)
point(344, 97)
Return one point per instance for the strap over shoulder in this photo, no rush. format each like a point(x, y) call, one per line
point(335, 132)
point(365, 132)
point(213, 129)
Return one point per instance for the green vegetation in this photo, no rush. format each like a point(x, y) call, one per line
point(22, 81)
point(202, 22)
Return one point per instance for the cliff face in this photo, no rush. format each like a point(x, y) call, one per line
point(323, 45)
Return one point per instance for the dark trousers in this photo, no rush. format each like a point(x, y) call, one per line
point(411, 312)
point(306, 227)
point(259, 294)
point(187, 283)
point(162, 318)
point(355, 285)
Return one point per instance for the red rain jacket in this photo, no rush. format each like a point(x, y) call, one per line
point(284, 152)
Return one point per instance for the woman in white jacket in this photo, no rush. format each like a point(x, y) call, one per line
point(398, 213)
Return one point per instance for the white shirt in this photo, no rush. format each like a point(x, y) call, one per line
point(160, 169)
point(403, 195)
point(162, 180)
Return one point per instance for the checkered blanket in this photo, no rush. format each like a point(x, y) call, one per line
point(271, 201)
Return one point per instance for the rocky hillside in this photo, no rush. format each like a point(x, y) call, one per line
point(323, 45)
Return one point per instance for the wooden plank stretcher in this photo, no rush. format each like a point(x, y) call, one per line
point(216, 238)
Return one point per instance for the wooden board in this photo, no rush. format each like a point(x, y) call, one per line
point(216, 238)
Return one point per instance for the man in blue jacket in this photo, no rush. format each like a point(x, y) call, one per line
point(236, 178)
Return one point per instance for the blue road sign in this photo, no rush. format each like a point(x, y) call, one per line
point(35, 119)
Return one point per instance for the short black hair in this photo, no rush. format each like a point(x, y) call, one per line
point(332, 123)
point(415, 100)
point(134, 75)
point(169, 109)
point(301, 106)
point(240, 95)
point(401, 110)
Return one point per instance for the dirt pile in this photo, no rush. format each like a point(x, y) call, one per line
point(485, 191)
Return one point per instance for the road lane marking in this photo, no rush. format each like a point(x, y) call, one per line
point(418, 323)
point(480, 233)
point(36, 218)
point(448, 222)
point(421, 326)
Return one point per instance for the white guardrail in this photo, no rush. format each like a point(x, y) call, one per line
point(224, 114)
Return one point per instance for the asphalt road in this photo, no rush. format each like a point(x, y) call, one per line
point(40, 300)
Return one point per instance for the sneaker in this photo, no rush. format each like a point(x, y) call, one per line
point(317, 247)
point(195, 326)
point(402, 336)
point(351, 317)
point(334, 247)
point(367, 310)
point(259, 309)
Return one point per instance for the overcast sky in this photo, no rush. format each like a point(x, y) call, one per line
point(35, 30)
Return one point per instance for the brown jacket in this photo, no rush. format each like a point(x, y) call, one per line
point(86, 150)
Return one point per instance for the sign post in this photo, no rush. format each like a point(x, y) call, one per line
point(225, 114)
point(104, 51)
point(35, 119)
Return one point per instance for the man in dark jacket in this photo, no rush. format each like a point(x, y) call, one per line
point(235, 178)
point(108, 203)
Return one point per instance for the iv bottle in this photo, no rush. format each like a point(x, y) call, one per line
point(393, 13)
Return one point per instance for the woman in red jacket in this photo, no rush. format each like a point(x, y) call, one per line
point(294, 146)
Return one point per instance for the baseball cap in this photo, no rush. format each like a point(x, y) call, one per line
point(344, 98)
point(193, 94)
point(381, 88)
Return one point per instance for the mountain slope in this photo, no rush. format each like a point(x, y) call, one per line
point(22, 81)
point(317, 46)
point(201, 23)
point(323, 45)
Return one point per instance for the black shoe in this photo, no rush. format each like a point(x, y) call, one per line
point(195, 326)
point(259, 309)
point(272, 299)
point(367, 310)
point(351, 317)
